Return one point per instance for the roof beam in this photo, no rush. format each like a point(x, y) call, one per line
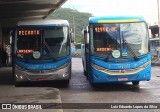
point(26, 7)
point(30, 1)
point(13, 22)
point(58, 5)
point(22, 18)
point(12, 11)
point(22, 14)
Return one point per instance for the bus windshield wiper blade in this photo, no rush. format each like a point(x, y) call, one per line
point(51, 52)
point(134, 55)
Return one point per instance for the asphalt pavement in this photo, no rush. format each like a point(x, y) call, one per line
point(80, 92)
point(28, 93)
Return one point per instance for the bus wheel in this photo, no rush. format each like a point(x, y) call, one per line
point(17, 84)
point(66, 82)
point(135, 83)
point(13, 75)
point(85, 73)
point(93, 85)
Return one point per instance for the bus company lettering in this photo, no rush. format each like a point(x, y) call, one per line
point(119, 66)
point(47, 66)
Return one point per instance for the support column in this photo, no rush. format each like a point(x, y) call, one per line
point(1, 46)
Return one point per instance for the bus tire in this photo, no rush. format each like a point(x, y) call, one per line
point(66, 82)
point(13, 75)
point(17, 84)
point(85, 73)
point(135, 83)
point(93, 85)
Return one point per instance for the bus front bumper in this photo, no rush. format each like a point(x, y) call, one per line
point(98, 76)
point(42, 75)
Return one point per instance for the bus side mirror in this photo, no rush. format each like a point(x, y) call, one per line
point(86, 37)
point(154, 30)
point(72, 36)
point(149, 45)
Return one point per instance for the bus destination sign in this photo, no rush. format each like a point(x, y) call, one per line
point(105, 29)
point(28, 32)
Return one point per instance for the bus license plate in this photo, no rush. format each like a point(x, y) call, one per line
point(122, 79)
point(42, 78)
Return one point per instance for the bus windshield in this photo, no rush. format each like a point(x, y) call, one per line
point(43, 43)
point(120, 40)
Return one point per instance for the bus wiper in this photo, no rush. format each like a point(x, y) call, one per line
point(47, 46)
point(134, 55)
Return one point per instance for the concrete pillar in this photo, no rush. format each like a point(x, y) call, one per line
point(1, 46)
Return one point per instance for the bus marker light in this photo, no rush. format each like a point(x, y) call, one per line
point(21, 77)
point(64, 75)
point(17, 76)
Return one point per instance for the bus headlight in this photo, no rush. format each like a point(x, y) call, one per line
point(18, 76)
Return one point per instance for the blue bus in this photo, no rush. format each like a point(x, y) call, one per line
point(116, 50)
point(42, 51)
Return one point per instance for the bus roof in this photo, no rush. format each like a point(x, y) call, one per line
point(44, 22)
point(116, 19)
